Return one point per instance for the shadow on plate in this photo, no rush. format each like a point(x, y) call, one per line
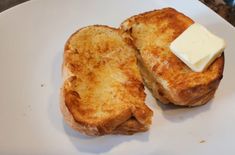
point(101, 144)
point(175, 113)
point(54, 113)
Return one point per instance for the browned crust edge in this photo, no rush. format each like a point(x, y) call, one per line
point(128, 127)
point(192, 96)
point(130, 19)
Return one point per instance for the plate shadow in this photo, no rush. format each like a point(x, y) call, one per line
point(101, 144)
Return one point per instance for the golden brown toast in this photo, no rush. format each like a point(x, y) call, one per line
point(169, 79)
point(103, 91)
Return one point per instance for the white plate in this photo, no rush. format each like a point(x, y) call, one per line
point(32, 36)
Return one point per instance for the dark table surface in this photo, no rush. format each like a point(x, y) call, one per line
point(5, 4)
point(219, 6)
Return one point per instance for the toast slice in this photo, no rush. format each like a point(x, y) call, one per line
point(169, 79)
point(103, 91)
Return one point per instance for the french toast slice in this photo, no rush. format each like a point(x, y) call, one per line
point(103, 92)
point(169, 79)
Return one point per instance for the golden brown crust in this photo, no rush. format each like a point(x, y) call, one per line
point(152, 32)
point(103, 90)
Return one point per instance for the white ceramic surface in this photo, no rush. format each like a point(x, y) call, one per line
point(32, 36)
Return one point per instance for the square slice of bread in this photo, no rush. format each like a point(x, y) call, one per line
point(103, 91)
point(169, 79)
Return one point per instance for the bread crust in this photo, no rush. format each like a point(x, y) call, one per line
point(129, 127)
point(169, 79)
point(132, 116)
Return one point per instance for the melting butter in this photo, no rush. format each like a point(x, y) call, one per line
point(197, 47)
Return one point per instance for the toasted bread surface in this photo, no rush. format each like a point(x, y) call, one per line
point(103, 91)
point(170, 80)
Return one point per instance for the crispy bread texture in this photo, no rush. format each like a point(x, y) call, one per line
point(169, 79)
point(103, 92)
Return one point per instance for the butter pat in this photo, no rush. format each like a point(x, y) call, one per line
point(197, 47)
